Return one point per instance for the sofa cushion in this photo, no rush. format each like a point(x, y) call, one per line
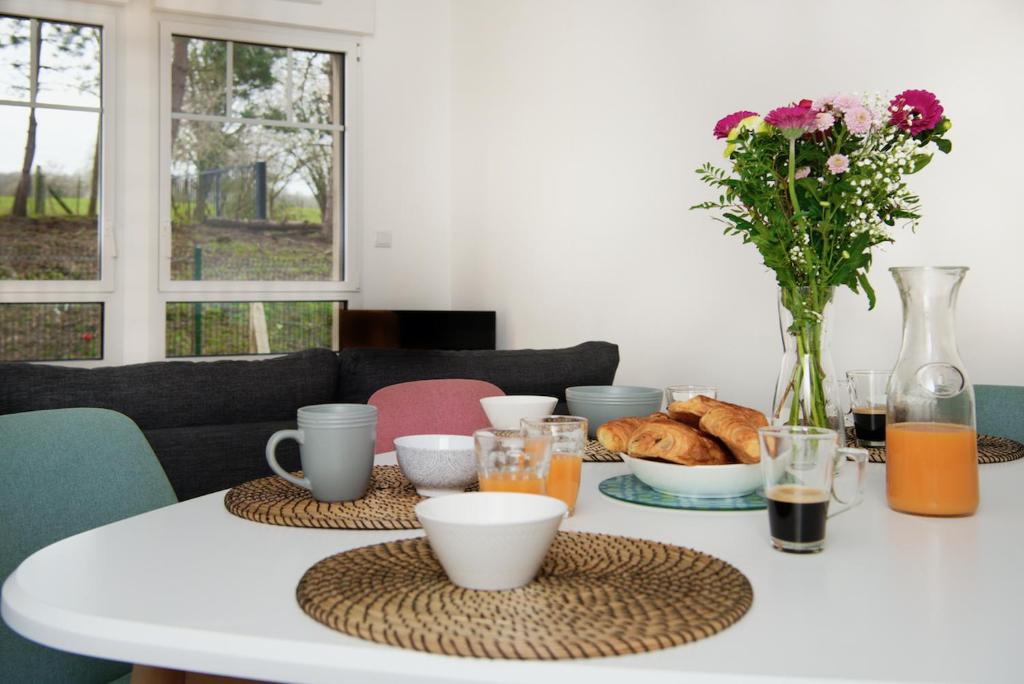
point(207, 458)
point(546, 372)
point(178, 393)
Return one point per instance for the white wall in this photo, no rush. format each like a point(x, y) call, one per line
point(407, 159)
point(577, 126)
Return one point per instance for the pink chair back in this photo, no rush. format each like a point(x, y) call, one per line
point(430, 407)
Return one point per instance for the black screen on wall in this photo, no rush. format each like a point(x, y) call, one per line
point(393, 329)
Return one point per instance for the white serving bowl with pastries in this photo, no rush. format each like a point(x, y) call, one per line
point(701, 481)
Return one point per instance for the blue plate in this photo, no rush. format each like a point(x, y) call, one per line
point(629, 488)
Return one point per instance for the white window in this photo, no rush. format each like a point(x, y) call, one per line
point(56, 182)
point(259, 227)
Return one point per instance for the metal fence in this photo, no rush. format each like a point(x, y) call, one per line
point(226, 328)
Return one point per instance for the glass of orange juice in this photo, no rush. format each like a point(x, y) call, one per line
point(568, 441)
point(512, 461)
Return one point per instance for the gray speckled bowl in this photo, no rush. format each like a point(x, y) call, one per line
point(437, 464)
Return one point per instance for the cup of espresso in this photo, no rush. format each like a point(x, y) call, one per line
point(336, 445)
point(801, 468)
point(867, 403)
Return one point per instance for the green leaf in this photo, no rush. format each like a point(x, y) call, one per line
point(945, 146)
point(920, 161)
point(862, 278)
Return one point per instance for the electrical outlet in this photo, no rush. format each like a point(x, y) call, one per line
point(382, 239)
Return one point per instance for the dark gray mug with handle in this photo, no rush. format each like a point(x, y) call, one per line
point(336, 445)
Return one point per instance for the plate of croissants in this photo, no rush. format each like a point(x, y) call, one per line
point(700, 447)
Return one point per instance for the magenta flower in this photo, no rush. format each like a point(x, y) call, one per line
point(727, 123)
point(858, 120)
point(915, 111)
point(838, 163)
point(792, 121)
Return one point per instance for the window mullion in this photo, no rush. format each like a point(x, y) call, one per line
point(288, 88)
point(33, 66)
point(229, 78)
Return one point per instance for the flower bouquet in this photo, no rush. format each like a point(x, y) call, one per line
point(815, 186)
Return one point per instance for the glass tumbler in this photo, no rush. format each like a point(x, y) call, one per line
point(568, 444)
point(685, 392)
point(510, 461)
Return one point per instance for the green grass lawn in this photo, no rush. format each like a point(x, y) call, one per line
point(79, 205)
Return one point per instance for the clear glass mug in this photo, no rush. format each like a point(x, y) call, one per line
point(512, 461)
point(800, 466)
point(568, 445)
point(867, 404)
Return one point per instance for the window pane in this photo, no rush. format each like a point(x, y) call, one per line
point(69, 64)
point(313, 85)
point(48, 217)
point(198, 72)
point(51, 332)
point(251, 202)
point(15, 58)
point(232, 328)
point(259, 81)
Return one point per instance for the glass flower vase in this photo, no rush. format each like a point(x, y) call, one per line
point(807, 392)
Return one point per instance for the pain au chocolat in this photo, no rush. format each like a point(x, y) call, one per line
point(674, 442)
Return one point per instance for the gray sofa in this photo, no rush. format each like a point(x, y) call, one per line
point(208, 422)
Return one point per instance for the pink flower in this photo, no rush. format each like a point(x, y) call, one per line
point(858, 120)
point(792, 121)
point(845, 102)
point(802, 172)
point(824, 121)
point(727, 123)
point(915, 111)
point(838, 163)
point(820, 103)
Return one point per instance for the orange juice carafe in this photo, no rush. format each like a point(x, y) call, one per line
point(931, 437)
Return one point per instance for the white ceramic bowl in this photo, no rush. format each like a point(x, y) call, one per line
point(491, 540)
point(705, 482)
point(437, 464)
point(506, 412)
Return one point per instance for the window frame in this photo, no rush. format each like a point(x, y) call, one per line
point(111, 191)
point(346, 180)
point(106, 19)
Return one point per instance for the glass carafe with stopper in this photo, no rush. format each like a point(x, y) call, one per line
point(931, 438)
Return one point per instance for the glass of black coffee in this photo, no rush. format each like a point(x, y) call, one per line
point(867, 403)
point(802, 467)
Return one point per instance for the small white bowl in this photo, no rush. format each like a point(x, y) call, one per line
point(437, 464)
point(491, 540)
point(505, 412)
point(702, 482)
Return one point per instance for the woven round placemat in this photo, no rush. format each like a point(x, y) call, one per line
point(596, 595)
point(388, 504)
point(595, 453)
point(991, 449)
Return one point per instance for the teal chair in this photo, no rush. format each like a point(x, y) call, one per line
point(63, 472)
point(1000, 411)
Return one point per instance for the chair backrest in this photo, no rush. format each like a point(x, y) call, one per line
point(422, 407)
point(1000, 410)
point(62, 472)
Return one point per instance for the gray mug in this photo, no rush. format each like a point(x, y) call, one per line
point(336, 445)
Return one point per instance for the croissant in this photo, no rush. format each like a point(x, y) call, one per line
point(674, 442)
point(614, 435)
point(693, 409)
point(737, 429)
